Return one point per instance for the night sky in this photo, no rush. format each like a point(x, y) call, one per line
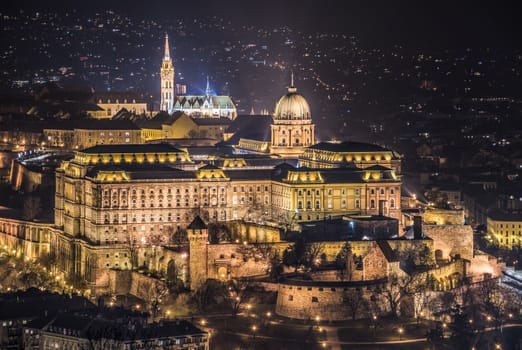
point(411, 23)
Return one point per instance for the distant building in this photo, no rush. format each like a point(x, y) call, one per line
point(110, 103)
point(173, 96)
point(86, 133)
point(67, 331)
point(179, 125)
point(505, 229)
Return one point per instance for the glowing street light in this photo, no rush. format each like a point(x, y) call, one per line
point(401, 330)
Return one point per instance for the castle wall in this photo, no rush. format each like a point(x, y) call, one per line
point(444, 217)
point(324, 300)
point(451, 240)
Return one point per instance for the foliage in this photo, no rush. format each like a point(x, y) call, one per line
point(344, 253)
point(218, 232)
point(355, 302)
point(302, 254)
point(208, 294)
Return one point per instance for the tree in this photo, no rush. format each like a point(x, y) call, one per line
point(355, 302)
point(155, 292)
point(218, 232)
point(401, 287)
point(276, 266)
point(302, 254)
point(48, 260)
point(344, 253)
point(237, 292)
point(295, 254)
point(177, 236)
point(207, 294)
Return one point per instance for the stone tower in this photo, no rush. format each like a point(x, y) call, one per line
point(198, 239)
point(292, 129)
point(167, 80)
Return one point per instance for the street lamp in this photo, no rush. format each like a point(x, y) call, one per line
point(254, 329)
point(374, 325)
point(401, 330)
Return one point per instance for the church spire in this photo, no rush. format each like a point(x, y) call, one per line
point(167, 50)
point(207, 91)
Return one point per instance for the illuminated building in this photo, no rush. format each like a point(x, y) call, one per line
point(349, 154)
point(86, 133)
point(110, 103)
point(292, 130)
point(167, 80)
point(505, 229)
point(199, 106)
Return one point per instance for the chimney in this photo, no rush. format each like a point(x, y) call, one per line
point(381, 207)
point(417, 227)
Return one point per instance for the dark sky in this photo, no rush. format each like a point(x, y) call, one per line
point(418, 23)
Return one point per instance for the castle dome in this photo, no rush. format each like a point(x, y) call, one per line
point(292, 106)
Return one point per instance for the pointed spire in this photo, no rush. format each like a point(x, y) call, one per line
point(207, 91)
point(167, 51)
point(291, 88)
point(252, 112)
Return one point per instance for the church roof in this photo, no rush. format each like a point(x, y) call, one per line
point(162, 118)
point(117, 97)
point(196, 101)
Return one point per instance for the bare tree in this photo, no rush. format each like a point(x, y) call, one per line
point(155, 292)
point(355, 302)
point(236, 293)
point(399, 288)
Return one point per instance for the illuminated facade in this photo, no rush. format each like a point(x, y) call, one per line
point(349, 154)
point(505, 229)
point(167, 79)
point(292, 130)
point(109, 104)
point(83, 134)
point(199, 106)
point(111, 197)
